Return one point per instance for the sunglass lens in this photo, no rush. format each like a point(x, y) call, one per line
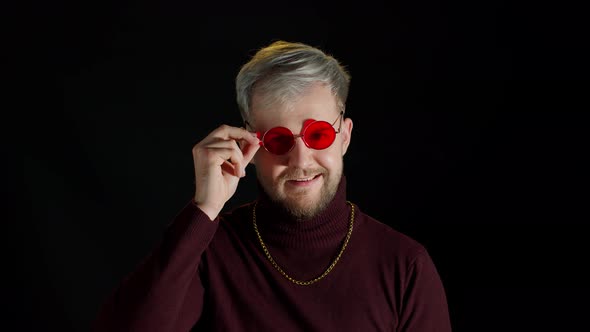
point(319, 135)
point(279, 140)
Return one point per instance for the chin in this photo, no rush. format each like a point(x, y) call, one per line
point(304, 206)
point(302, 211)
point(302, 203)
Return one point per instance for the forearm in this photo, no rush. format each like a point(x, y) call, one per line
point(153, 295)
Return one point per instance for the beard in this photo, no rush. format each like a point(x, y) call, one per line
point(300, 204)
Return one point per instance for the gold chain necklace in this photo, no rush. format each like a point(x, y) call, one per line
point(316, 279)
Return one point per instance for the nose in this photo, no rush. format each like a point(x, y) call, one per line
point(300, 156)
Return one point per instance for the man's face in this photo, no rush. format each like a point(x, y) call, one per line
point(303, 180)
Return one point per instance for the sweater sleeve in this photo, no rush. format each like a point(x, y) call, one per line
point(164, 292)
point(425, 307)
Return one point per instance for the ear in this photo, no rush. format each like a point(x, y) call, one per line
point(346, 133)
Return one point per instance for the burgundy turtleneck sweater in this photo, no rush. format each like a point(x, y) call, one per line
point(214, 276)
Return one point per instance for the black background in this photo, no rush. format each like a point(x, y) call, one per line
point(469, 135)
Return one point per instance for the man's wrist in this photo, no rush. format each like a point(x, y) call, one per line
point(211, 212)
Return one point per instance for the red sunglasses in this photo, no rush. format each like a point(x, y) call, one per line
point(315, 134)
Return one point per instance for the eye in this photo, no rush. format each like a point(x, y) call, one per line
point(319, 134)
point(279, 139)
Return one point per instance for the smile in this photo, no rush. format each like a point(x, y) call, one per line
point(305, 181)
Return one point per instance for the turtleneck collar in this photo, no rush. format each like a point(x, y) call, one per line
point(325, 230)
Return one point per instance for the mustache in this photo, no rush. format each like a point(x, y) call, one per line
point(298, 173)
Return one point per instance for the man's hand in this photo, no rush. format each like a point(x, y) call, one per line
point(219, 165)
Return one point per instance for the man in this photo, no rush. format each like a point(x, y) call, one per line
point(300, 257)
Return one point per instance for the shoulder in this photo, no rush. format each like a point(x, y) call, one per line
point(384, 240)
point(234, 221)
point(232, 236)
point(237, 214)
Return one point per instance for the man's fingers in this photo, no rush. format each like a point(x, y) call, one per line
point(233, 156)
point(235, 133)
point(220, 143)
point(248, 151)
point(230, 168)
point(220, 148)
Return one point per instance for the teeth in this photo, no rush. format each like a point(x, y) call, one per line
point(303, 180)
